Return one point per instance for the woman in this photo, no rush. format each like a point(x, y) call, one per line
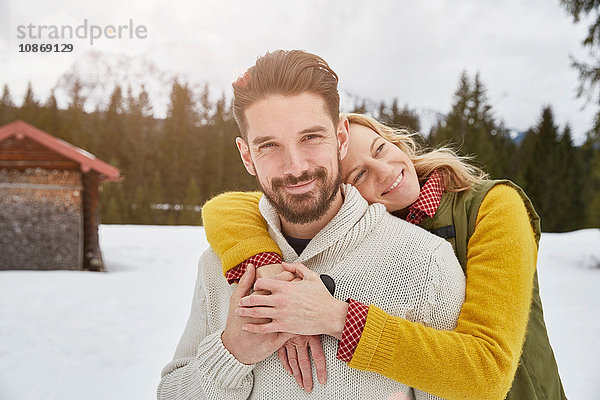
point(494, 231)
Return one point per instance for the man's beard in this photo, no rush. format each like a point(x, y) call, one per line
point(306, 207)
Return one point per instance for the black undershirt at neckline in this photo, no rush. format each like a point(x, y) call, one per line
point(297, 244)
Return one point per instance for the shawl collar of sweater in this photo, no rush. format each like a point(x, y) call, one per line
point(349, 218)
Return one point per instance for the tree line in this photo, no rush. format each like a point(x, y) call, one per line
point(173, 165)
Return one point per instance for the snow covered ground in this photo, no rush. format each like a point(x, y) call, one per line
point(84, 335)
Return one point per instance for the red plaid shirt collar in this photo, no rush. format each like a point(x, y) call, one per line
point(429, 199)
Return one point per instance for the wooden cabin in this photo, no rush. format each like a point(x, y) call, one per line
point(49, 201)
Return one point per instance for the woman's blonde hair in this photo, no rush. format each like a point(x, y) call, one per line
point(457, 173)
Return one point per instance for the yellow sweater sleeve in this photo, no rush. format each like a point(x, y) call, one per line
point(479, 358)
point(235, 228)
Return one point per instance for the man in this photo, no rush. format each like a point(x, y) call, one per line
point(287, 108)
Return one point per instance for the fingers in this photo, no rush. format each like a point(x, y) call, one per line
point(299, 270)
point(305, 367)
point(316, 350)
point(268, 270)
point(270, 285)
point(261, 328)
point(285, 276)
point(255, 300)
point(293, 360)
point(245, 283)
point(280, 339)
point(282, 354)
point(257, 312)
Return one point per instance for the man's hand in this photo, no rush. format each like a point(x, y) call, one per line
point(295, 360)
point(246, 347)
point(269, 271)
point(303, 307)
point(294, 354)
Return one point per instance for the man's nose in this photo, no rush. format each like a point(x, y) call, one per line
point(295, 162)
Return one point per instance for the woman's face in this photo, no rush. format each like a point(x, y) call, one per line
point(380, 171)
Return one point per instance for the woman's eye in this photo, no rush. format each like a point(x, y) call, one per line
point(358, 176)
point(379, 148)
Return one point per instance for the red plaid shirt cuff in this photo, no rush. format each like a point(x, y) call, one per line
point(260, 259)
point(353, 328)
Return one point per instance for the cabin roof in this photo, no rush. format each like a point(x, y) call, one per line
point(87, 161)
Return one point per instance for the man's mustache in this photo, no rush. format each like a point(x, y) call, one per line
point(319, 173)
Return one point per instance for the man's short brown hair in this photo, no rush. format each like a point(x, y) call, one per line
point(285, 73)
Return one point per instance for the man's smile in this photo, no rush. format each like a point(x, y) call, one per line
point(301, 187)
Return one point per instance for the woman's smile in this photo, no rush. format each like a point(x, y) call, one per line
point(396, 183)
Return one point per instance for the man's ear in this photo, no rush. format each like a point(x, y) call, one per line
point(343, 136)
point(245, 155)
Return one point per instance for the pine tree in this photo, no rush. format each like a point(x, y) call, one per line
point(50, 116)
point(204, 106)
point(589, 87)
point(156, 196)
point(140, 206)
point(110, 211)
point(75, 115)
point(471, 128)
point(190, 214)
point(591, 148)
point(360, 108)
point(574, 182)
point(7, 107)
point(453, 128)
point(213, 137)
point(182, 148)
point(397, 117)
point(541, 181)
point(589, 74)
point(134, 135)
point(230, 173)
point(30, 109)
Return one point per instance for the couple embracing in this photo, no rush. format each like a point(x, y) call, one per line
point(402, 271)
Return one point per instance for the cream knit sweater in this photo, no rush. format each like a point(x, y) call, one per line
point(373, 257)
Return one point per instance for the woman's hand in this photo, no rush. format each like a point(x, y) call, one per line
point(303, 307)
point(269, 271)
point(273, 271)
point(296, 361)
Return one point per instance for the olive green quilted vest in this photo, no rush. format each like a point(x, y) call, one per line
point(537, 374)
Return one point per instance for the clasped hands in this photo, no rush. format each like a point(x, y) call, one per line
point(287, 313)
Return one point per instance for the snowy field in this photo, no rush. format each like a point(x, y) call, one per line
point(84, 335)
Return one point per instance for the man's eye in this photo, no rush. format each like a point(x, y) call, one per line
point(310, 137)
point(265, 145)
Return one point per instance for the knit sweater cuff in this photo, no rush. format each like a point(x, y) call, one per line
point(377, 344)
point(219, 365)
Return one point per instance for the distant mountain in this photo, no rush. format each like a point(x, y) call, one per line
point(517, 136)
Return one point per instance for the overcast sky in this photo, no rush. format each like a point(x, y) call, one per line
point(411, 50)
